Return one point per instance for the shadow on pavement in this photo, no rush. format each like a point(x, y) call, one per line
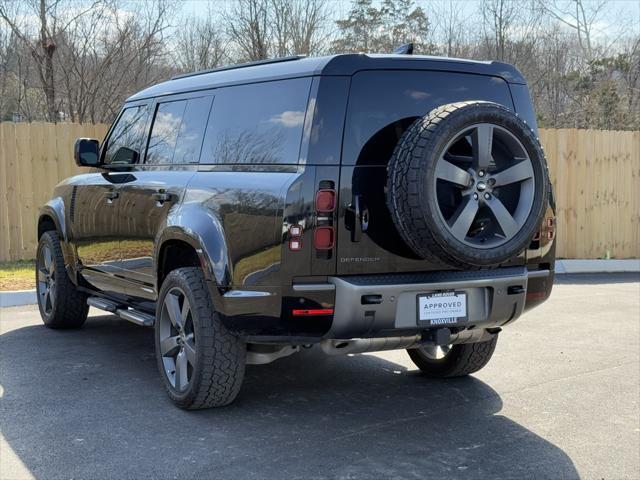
point(90, 404)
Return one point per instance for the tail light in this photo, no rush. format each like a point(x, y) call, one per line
point(295, 238)
point(324, 238)
point(295, 244)
point(325, 200)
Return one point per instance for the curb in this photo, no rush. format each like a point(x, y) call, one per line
point(17, 298)
point(597, 266)
point(28, 297)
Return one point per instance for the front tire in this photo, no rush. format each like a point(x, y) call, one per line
point(60, 303)
point(201, 362)
point(455, 360)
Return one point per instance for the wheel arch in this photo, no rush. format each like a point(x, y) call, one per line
point(52, 215)
point(195, 241)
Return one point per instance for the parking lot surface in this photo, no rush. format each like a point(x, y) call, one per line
point(558, 400)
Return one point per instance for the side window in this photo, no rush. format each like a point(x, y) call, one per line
point(126, 141)
point(258, 123)
point(164, 132)
point(178, 127)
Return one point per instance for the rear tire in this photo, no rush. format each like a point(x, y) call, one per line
point(60, 303)
point(459, 361)
point(201, 362)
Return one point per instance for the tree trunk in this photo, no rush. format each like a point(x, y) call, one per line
point(48, 48)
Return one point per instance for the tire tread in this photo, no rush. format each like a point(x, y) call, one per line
point(463, 359)
point(222, 356)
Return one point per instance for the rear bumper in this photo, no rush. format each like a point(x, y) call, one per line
point(495, 298)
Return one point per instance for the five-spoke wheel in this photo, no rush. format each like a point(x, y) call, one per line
point(177, 339)
point(485, 185)
point(46, 280)
point(468, 185)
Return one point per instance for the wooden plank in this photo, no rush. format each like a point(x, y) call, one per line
point(12, 187)
point(28, 209)
point(4, 197)
point(634, 145)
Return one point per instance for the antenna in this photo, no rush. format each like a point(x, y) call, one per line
point(406, 49)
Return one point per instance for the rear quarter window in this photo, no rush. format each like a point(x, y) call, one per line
point(259, 123)
point(382, 104)
point(177, 131)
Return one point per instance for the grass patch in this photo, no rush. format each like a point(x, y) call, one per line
point(18, 275)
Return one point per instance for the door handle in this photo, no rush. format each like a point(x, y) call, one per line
point(358, 218)
point(111, 196)
point(161, 197)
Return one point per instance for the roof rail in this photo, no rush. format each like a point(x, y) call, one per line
point(240, 65)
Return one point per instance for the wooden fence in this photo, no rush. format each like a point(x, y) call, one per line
point(596, 175)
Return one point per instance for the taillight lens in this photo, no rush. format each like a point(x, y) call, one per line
point(295, 244)
point(323, 238)
point(325, 201)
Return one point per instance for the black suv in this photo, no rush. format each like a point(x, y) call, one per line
point(354, 202)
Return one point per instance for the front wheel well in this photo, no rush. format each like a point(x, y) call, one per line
point(175, 254)
point(45, 224)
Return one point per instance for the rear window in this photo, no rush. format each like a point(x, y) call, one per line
point(260, 123)
point(382, 104)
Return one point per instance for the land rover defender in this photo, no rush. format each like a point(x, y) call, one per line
point(352, 202)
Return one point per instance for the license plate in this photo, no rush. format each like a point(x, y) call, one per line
point(442, 308)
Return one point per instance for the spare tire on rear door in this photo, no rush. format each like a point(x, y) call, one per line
point(468, 185)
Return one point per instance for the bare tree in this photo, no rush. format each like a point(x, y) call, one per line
point(449, 29)
point(200, 44)
point(578, 15)
point(43, 49)
point(249, 28)
point(309, 27)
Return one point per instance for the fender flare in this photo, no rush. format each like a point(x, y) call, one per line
point(54, 209)
point(203, 231)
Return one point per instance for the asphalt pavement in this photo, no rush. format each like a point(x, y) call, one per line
point(559, 400)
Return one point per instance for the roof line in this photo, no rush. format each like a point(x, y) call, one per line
point(240, 65)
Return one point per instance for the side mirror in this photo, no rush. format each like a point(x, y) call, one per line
point(87, 152)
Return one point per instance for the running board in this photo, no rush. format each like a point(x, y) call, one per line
point(129, 314)
point(102, 304)
point(134, 316)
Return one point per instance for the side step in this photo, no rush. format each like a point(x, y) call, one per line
point(139, 318)
point(126, 313)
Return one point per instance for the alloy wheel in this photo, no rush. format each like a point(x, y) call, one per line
point(177, 339)
point(46, 284)
point(436, 352)
point(485, 186)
